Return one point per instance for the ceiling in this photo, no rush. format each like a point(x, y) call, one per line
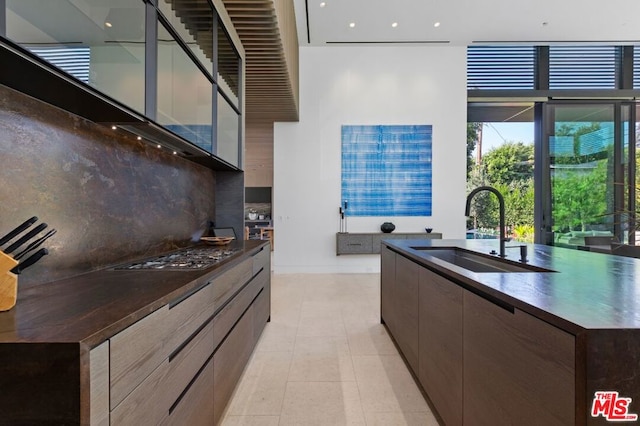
point(271, 58)
point(466, 22)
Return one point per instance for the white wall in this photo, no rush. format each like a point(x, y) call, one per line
point(364, 85)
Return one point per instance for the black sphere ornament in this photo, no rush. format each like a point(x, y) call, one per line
point(387, 227)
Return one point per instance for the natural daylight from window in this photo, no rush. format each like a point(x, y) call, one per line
point(503, 158)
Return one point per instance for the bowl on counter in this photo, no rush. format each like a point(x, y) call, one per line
point(217, 241)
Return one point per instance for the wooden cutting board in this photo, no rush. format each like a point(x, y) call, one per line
point(8, 282)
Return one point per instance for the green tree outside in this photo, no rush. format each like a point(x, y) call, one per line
point(509, 169)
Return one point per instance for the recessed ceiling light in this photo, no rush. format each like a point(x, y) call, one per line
point(437, 24)
point(139, 138)
point(395, 24)
point(352, 24)
point(113, 127)
point(175, 152)
point(108, 24)
point(323, 4)
point(158, 146)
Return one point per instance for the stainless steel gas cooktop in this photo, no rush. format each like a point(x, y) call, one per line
point(186, 259)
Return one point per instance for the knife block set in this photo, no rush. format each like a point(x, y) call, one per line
point(11, 265)
point(8, 282)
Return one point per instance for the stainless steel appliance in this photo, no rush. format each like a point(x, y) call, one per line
point(186, 259)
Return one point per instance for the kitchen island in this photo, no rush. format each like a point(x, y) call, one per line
point(134, 346)
point(517, 347)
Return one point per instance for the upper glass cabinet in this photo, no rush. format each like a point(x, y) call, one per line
point(167, 71)
point(99, 42)
point(228, 77)
point(184, 93)
point(193, 21)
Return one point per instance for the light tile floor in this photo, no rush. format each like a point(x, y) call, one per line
point(325, 359)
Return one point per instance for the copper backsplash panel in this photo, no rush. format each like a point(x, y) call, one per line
point(110, 197)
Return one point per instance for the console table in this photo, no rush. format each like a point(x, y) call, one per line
point(369, 243)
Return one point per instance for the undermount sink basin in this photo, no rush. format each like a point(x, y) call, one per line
point(477, 262)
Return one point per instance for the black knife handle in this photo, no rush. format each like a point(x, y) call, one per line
point(35, 244)
point(30, 261)
point(18, 230)
point(25, 238)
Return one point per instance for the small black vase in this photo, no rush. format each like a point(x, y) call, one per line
point(387, 227)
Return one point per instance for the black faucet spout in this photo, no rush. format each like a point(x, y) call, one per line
point(467, 211)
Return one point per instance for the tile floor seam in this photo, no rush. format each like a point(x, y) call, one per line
point(349, 294)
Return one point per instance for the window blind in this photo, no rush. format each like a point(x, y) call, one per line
point(500, 67)
point(582, 67)
point(72, 60)
point(636, 67)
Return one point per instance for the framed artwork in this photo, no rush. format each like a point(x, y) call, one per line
point(386, 170)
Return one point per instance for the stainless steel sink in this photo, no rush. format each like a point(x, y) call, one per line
point(478, 262)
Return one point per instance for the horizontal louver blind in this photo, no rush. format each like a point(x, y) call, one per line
point(636, 67)
point(575, 67)
point(500, 67)
point(72, 60)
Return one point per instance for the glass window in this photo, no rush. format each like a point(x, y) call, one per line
point(581, 154)
point(193, 21)
point(500, 67)
point(636, 67)
point(228, 66)
point(184, 93)
point(228, 131)
point(582, 67)
point(99, 42)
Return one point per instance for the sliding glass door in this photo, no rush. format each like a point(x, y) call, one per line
point(585, 188)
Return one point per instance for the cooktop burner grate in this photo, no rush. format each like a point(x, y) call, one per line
point(190, 259)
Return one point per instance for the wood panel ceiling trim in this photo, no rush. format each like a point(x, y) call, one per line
point(269, 37)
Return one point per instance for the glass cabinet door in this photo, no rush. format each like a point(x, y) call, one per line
point(184, 93)
point(98, 42)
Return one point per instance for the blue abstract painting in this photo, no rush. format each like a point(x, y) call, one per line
point(386, 170)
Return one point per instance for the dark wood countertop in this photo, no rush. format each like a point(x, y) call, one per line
point(90, 308)
point(588, 290)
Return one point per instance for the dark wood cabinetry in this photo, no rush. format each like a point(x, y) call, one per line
point(229, 361)
point(534, 348)
point(518, 369)
point(387, 287)
point(176, 360)
point(205, 339)
point(480, 363)
point(195, 407)
point(440, 344)
point(399, 303)
point(406, 306)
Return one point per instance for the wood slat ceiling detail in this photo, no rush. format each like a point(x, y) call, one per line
point(268, 33)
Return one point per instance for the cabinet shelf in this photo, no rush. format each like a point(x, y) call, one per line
point(369, 243)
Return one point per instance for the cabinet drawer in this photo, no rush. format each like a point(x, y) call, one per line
point(378, 238)
point(227, 317)
point(354, 244)
point(261, 311)
point(518, 369)
point(139, 349)
point(229, 362)
point(225, 286)
point(261, 260)
point(150, 402)
point(99, 385)
point(195, 408)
